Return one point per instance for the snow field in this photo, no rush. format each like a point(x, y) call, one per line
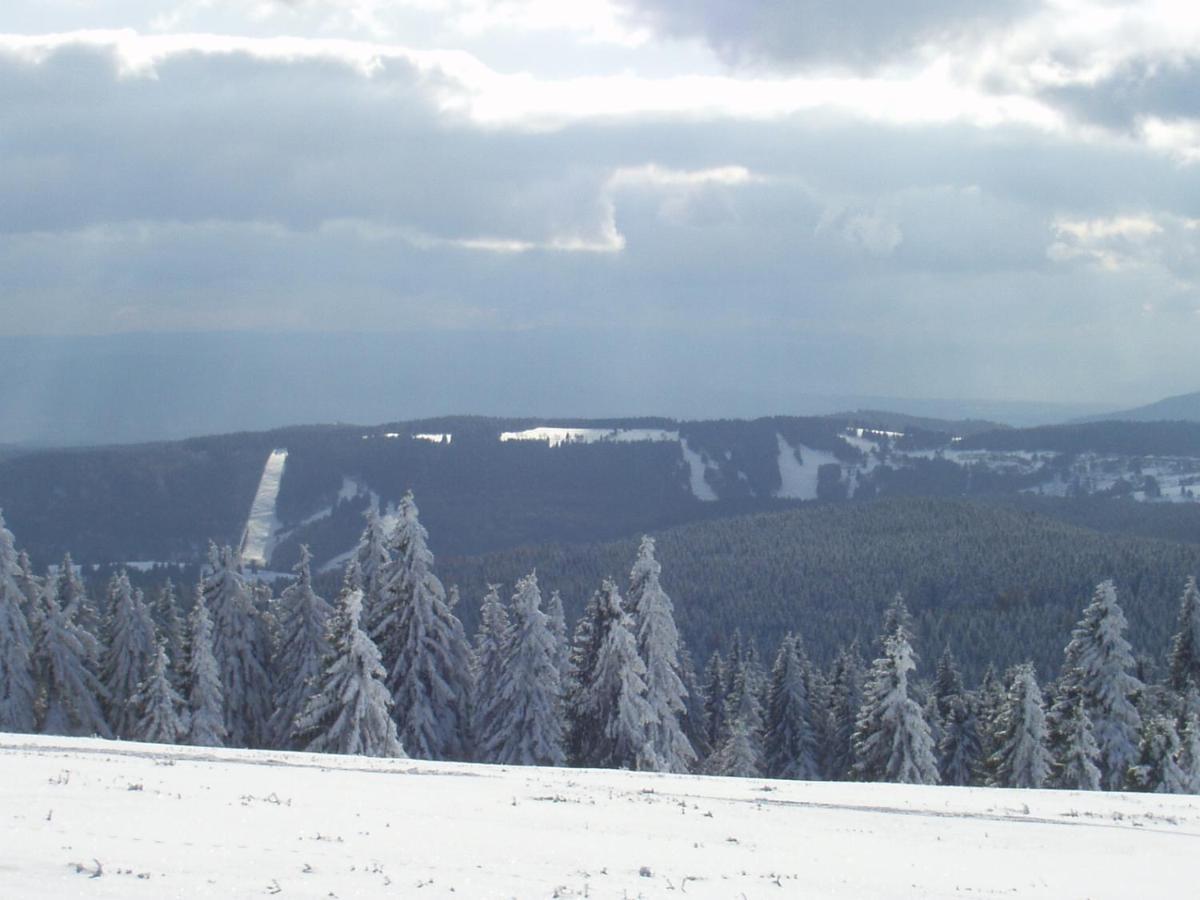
point(94, 818)
point(262, 523)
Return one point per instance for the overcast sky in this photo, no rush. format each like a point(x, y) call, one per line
point(938, 198)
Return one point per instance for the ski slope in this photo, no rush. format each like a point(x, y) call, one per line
point(92, 818)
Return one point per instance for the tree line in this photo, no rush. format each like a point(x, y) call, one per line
point(387, 669)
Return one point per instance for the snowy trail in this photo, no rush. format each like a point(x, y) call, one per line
point(164, 821)
point(262, 524)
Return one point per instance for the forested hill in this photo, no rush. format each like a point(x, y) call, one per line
point(487, 484)
point(995, 583)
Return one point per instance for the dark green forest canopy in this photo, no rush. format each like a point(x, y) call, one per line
point(995, 583)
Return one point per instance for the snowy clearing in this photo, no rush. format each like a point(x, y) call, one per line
point(798, 477)
point(259, 537)
point(558, 436)
point(92, 818)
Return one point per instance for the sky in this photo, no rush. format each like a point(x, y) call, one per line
point(725, 204)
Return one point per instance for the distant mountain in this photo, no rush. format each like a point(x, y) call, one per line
point(1181, 408)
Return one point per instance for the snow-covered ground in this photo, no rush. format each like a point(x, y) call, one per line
point(262, 524)
point(798, 477)
point(90, 818)
point(557, 436)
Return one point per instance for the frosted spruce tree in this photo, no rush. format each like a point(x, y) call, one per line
point(1189, 752)
point(558, 628)
point(740, 754)
point(31, 590)
point(523, 725)
point(658, 646)
point(424, 648)
point(583, 725)
point(491, 646)
point(1022, 761)
point(789, 738)
point(17, 690)
point(206, 706)
point(303, 645)
point(1100, 658)
point(128, 657)
point(170, 628)
point(891, 738)
point(77, 606)
point(241, 646)
point(71, 691)
point(1185, 646)
point(614, 698)
point(845, 700)
point(372, 558)
point(693, 719)
point(959, 752)
point(716, 719)
point(349, 712)
point(1156, 768)
point(1071, 738)
point(161, 716)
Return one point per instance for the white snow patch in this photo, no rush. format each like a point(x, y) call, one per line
point(798, 477)
point(697, 467)
point(258, 540)
point(153, 821)
point(558, 436)
point(434, 438)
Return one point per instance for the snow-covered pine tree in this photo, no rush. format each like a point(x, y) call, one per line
point(1156, 768)
point(845, 700)
point(615, 697)
point(891, 738)
point(1189, 752)
point(206, 707)
point(161, 716)
point(71, 691)
point(423, 646)
point(75, 603)
point(693, 720)
point(1075, 762)
point(558, 628)
point(1022, 760)
point(31, 590)
point(349, 712)
point(1185, 645)
point(959, 751)
point(789, 739)
point(372, 557)
point(170, 626)
point(1105, 663)
point(491, 646)
point(523, 725)
point(716, 720)
point(303, 646)
point(17, 689)
point(582, 724)
point(989, 704)
point(741, 751)
point(128, 657)
point(658, 646)
point(241, 647)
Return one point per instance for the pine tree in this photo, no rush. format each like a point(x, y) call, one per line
point(170, 628)
point(17, 689)
point(658, 646)
point(130, 653)
point(615, 697)
point(1071, 739)
point(205, 696)
point(959, 750)
point(845, 700)
point(1156, 768)
point(990, 700)
point(491, 647)
point(715, 717)
point(891, 738)
point(372, 558)
point(583, 725)
point(423, 646)
point(1185, 646)
point(1022, 761)
point(1189, 753)
point(349, 710)
point(80, 611)
point(789, 739)
point(72, 693)
point(303, 624)
point(161, 717)
point(1102, 656)
point(241, 647)
point(524, 725)
point(558, 629)
point(31, 588)
point(741, 752)
point(695, 703)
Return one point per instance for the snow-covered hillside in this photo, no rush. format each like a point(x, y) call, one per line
point(91, 818)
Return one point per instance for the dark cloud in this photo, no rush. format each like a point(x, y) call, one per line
point(859, 34)
point(1165, 88)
